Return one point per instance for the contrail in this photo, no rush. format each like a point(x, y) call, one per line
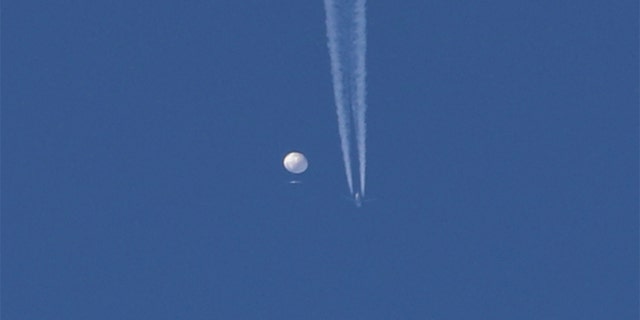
point(346, 32)
point(338, 89)
point(360, 72)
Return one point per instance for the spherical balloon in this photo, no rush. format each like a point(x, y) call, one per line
point(295, 162)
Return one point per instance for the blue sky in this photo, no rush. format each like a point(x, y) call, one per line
point(142, 144)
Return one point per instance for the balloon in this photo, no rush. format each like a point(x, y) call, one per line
point(295, 162)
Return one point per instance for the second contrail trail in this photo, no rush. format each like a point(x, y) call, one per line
point(360, 72)
point(346, 33)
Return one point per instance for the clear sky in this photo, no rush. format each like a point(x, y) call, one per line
point(142, 179)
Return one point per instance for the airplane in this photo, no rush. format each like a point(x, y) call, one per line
point(357, 199)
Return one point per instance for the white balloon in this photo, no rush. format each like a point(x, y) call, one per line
point(295, 162)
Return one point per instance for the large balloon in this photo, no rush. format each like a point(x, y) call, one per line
point(295, 162)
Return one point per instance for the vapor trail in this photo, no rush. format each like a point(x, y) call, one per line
point(360, 72)
point(339, 89)
point(346, 31)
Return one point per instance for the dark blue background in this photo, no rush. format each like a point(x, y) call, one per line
point(142, 145)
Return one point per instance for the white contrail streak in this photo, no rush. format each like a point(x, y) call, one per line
point(360, 72)
point(338, 89)
point(346, 31)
